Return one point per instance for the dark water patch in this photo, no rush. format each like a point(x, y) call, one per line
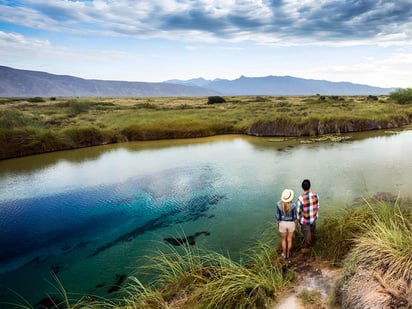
point(149, 226)
point(192, 211)
point(56, 268)
point(50, 302)
point(100, 285)
point(66, 248)
point(191, 239)
point(119, 281)
point(82, 244)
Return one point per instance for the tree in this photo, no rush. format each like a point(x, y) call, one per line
point(402, 96)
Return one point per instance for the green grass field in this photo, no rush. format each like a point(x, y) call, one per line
point(30, 126)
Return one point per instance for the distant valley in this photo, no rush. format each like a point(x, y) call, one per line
point(25, 83)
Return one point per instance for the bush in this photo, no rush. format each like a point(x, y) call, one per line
point(215, 100)
point(79, 107)
point(12, 119)
point(36, 100)
point(402, 96)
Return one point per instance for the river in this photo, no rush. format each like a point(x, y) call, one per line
point(92, 215)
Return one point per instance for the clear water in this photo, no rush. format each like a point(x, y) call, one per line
point(93, 214)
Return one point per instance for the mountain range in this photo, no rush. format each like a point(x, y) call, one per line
point(25, 83)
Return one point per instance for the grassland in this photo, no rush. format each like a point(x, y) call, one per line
point(37, 125)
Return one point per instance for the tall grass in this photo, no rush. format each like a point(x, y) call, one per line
point(340, 230)
point(380, 260)
point(197, 279)
point(386, 244)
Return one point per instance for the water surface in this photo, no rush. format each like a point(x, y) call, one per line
point(90, 215)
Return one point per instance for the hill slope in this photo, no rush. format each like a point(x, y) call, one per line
point(283, 85)
point(24, 83)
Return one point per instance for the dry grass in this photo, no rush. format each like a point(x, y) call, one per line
point(120, 119)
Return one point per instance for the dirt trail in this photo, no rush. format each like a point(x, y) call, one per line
point(312, 275)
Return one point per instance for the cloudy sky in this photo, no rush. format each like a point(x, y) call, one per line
point(361, 41)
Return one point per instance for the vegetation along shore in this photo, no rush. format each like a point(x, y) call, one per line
point(37, 125)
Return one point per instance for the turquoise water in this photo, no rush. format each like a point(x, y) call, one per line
point(91, 215)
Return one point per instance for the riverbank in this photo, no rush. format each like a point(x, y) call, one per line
point(38, 125)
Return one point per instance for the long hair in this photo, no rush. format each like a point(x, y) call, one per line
point(285, 207)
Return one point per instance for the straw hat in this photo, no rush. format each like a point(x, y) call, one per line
point(287, 195)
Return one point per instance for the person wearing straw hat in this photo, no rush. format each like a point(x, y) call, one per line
point(285, 216)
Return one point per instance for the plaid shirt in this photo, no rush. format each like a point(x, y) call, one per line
point(307, 207)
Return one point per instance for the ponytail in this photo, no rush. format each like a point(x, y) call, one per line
point(286, 207)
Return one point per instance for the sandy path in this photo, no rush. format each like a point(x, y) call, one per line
point(312, 276)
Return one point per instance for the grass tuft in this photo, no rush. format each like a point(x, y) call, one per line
point(211, 280)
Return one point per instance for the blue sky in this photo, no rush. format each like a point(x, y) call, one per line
point(360, 41)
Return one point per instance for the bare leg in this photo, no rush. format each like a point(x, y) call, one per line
point(290, 243)
point(283, 235)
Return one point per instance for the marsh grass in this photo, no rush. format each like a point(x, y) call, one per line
point(386, 244)
point(166, 118)
point(192, 278)
point(380, 260)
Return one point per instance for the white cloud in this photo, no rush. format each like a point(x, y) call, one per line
point(292, 21)
point(15, 41)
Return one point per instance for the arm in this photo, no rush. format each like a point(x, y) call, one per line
point(298, 210)
point(294, 213)
point(278, 215)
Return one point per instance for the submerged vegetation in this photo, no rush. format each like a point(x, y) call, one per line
point(371, 240)
point(36, 125)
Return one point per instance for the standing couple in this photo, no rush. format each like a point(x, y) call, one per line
point(305, 211)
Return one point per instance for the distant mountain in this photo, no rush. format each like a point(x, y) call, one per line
point(23, 83)
point(199, 82)
point(283, 85)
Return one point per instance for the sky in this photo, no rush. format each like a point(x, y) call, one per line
point(360, 41)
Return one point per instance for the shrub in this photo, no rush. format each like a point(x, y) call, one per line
point(79, 107)
point(12, 119)
point(215, 100)
point(402, 96)
point(36, 100)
